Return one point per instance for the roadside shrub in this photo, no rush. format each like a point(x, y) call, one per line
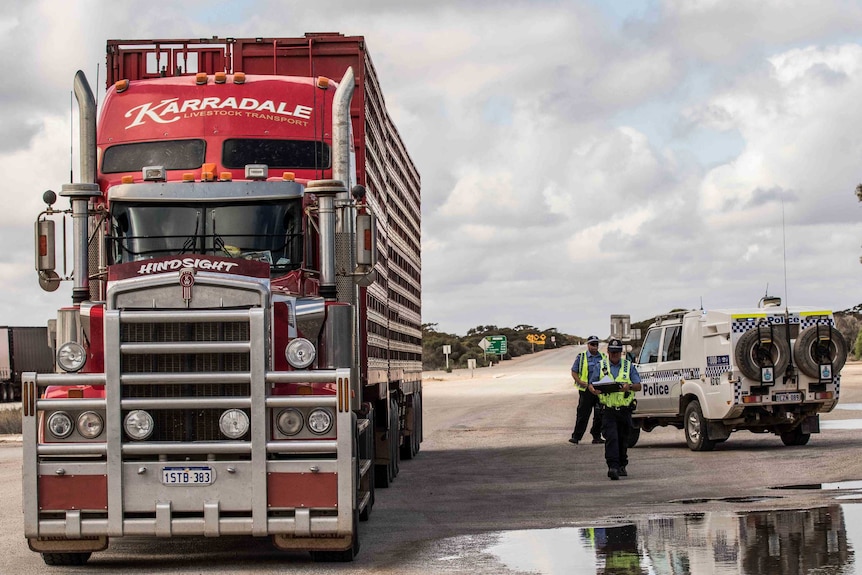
point(10, 421)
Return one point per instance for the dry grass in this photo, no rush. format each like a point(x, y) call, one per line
point(10, 421)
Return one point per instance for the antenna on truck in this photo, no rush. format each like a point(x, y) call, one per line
point(71, 135)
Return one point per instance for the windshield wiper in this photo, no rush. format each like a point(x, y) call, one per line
point(191, 241)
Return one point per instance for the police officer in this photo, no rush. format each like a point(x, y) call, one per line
point(586, 370)
point(617, 406)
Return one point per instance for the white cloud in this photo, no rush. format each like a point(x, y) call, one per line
point(550, 195)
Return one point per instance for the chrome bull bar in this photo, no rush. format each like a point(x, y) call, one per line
point(110, 457)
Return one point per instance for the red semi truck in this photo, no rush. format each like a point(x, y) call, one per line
point(242, 354)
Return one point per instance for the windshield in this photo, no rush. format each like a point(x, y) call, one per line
point(270, 232)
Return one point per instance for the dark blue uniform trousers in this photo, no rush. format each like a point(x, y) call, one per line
point(616, 426)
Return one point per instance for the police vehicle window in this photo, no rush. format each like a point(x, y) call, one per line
point(295, 154)
point(173, 155)
point(649, 351)
point(672, 340)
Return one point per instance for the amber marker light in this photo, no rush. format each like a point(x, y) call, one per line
point(288, 176)
point(200, 78)
point(121, 86)
point(323, 82)
point(128, 179)
point(188, 177)
point(225, 177)
point(220, 77)
point(239, 78)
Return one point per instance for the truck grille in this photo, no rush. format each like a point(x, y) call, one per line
point(185, 425)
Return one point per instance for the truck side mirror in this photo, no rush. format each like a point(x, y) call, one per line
point(45, 249)
point(366, 241)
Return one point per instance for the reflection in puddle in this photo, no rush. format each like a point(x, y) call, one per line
point(788, 542)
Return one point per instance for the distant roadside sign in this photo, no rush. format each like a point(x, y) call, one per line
point(496, 344)
point(538, 339)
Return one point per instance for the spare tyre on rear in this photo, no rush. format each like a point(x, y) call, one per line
point(762, 347)
point(817, 345)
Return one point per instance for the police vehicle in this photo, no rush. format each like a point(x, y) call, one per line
point(768, 369)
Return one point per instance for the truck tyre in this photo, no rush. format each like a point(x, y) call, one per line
point(634, 435)
point(394, 437)
point(750, 355)
point(65, 559)
point(408, 448)
point(3, 393)
point(795, 436)
point(341, 556)
point(808, 350)
point(695, 429)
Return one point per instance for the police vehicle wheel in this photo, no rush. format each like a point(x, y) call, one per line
point(795, 437)
point(634, 435)
point(695, 429)
point(751, 355)
point(808, 351)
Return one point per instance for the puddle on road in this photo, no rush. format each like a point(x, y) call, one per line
point(784, 541)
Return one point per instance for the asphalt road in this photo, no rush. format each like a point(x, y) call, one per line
point(496, 459)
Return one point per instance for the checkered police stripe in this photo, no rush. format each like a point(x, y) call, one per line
point(713, 370)
point(814, 320)
point(743, 325)
point(670, 375)
point(737, 392)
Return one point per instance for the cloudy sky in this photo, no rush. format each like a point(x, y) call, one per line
point(578, 158)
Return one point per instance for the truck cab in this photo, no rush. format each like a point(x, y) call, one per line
point(766, 369)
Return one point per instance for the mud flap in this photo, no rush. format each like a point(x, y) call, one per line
point(811, 424)
point(717, 431)
point(63, 545)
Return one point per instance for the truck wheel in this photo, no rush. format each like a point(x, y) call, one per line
point(795, 437)
point(695, 429)
point(408, 448)
point(751, 355)
point(341, 556)
point(65, 559)
point(808, 351)
point(634, 435)
point(394, 437)
point(4, 393)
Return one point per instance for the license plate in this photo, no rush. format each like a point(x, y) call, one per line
point(787, 396)
point(200, 475)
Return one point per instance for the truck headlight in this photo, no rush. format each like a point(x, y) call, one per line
point(138, 424)
point(233, 423)
point(60, 424)
point(71, 356)
point(90, 424)
point(319, 421)
point(300, 353)
point(289, 421)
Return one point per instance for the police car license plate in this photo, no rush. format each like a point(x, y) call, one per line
point(201, 475)
point(787, 396)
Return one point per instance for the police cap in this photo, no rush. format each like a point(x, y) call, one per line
point(615, 345)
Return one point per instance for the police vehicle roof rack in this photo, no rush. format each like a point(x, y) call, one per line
point(676, 314)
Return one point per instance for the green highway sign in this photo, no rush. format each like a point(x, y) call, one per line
point(496, 344)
